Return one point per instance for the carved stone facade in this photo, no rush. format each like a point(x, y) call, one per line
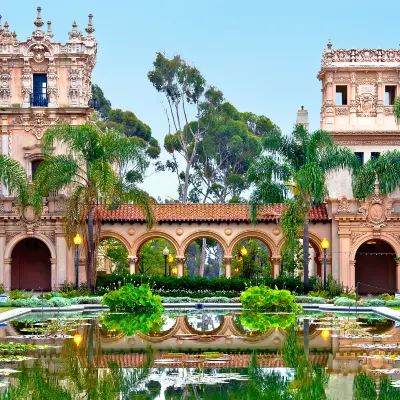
point(36, 75)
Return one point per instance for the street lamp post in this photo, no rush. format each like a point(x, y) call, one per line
point(165, 254)
point(77, 242)
point(325, 246)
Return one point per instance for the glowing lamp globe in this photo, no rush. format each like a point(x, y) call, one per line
point(77, 339)
point(243, 251)
point(170, 258)
point(325, 334)
point(165, 252)
point(325, 244)
point(77, 239)
point(174, 271)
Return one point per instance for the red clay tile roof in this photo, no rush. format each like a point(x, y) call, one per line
point(191, 212)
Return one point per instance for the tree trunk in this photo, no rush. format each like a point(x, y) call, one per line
point(91, 249)
point(306, 244)
point(203, 256)
point(186, 184)
point(306, 336)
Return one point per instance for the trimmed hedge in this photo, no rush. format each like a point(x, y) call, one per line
point(344, 301)
point(393, 303)
point(310, 299)
point(374, 303)
point(193, 286)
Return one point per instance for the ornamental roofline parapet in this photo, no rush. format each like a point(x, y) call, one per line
point(360, 59)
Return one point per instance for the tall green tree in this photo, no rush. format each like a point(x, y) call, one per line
point(187, 95)
point(294, 170)
point(92, 172)
point(13, 176)
point(124, 121)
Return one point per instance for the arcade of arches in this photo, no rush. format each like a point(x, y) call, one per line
point(34, 253)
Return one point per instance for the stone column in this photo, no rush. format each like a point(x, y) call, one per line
point(275, 263)
point(180, 265)
point(228, 266)
point(352, 274)
point(2, 250)
point(54, 285)
point(7, 274)
point(132, 260)
point(397, 276)
point(61, 251)
point(329, 101)
point(379, 106)
point(345, 275)
point(353, 103)
point(82, 269)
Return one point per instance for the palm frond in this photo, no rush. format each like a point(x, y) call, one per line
point(310, 180)
point(14, 177)
point(388, 172)
point(319, 140)
point(266, 168)
point(335, 158)
point(364, 179)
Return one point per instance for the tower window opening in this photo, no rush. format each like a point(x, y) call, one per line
point(375, 155)
point(341, 95)
point(390, 95)
point(360, 156)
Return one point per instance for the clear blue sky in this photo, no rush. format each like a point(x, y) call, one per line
point(264, 55)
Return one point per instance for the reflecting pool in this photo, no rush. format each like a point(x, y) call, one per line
point(200, 355)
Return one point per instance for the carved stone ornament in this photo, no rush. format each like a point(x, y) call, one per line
point(377, 209)
point(341, 110)
point(344, 206)
point(366, 99)
point(50, 235)
point(39, 121)
point(356, 235)
point(5, 87)
point(228, 231)
point(10, 236)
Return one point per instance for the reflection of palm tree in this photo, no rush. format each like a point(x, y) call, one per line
point(306, 336)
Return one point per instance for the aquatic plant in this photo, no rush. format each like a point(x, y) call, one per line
point(264, 298)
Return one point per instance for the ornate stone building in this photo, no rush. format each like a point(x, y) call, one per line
point(42, 82)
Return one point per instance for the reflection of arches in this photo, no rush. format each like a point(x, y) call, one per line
point(31, 265)
point(208, 235)
point(375, 266)
point(136, 246)
point(255, 234)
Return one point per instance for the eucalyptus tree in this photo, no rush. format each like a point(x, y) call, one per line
point(294, 170)
point(187, 96)
point(13, 176)
point(92, 173)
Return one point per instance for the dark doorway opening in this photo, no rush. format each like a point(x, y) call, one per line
point(376, 266)
point(31, 265)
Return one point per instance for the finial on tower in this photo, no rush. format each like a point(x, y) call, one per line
point(74, 26)
point(39, 22)
point(90, 28)
point(329, 44)
point(49, 32)
point(6, 26)
point(1, 27)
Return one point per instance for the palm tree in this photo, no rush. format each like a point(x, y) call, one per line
point(293, 170)
point(385, 169)
point(97, 171)
point(13, 176)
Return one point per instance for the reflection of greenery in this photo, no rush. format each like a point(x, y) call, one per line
point(129, 323)
point(364, 388)
point(265, 298)
point(263, 322)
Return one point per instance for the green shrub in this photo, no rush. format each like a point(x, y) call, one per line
point(393, 303)
point(129, 297)
point(19, 294)
point(168, 300)
point(374, 303)
point(320, 293)
point(59, 302)
point(265, 298)
point(6, 304)
point(385, 297)
point(350, 295)
point(256, 321)
point(235, 300)
point(196, 287)
point(214, 300)
point(30, 302)
point(87, 300)
point(310, 299)
point(177, 300)
point(345, 302)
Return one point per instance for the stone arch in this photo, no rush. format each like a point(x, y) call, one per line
point(108, 234)
point(255, 234)
point(142, 239)
point(200, 234)
point(315, 240)
point(369, 236)
point(10, 246)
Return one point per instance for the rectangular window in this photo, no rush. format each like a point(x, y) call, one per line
point(390, 95)
point(341, 95)
point(39, 95)
point(35, 166)
point(375, 155)
point(360, 156)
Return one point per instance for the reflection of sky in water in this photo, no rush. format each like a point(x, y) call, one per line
point(169, 322)
point(205, 322)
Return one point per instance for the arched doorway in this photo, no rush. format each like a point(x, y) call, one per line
point(376, 267)
point(31, 265)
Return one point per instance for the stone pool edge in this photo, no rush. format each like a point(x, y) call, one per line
point(18, 312)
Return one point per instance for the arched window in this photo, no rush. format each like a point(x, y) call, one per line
point(35, 166)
